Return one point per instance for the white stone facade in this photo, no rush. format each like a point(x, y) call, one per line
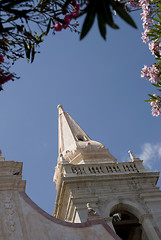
point(22, 219)
point(86, 174)
point(96, 195)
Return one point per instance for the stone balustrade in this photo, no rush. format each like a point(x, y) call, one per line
point(100, 169)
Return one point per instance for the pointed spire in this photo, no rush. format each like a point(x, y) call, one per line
point(75, 144)
point(69, 131)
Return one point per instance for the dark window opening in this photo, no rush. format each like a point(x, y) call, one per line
point(81, 138)
point(127, 226)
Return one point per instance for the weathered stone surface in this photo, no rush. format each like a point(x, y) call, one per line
point(93, 190)
point(92, 175)
point(22, 219)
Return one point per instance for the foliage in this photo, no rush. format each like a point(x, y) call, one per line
point(151, 16)
point(25, 23)
point(103, 10)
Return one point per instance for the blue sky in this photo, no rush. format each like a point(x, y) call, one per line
point(98, 82)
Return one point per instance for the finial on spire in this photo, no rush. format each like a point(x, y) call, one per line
point(60, 108)
point(0, 152)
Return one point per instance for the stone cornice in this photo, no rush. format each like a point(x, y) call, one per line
point(151, 177)
point(121, 169)
point(10, 168)
point(11, 176)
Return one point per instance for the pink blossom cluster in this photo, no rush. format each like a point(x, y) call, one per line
point(133, 4)
point(151, 73)
point(67, 19)
point(155, 47)
point(145, 16)
point(156, 106)
point(4, 76)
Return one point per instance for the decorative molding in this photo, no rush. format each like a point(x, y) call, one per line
point(9, 207)
point(142, 218)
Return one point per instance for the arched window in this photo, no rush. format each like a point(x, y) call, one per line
point(127, 226)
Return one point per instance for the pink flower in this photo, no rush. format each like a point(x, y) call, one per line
point(1, 58)
point(146, 25)
point(145, 16)
point(151, 73)
point(145, 37)
point(133, 4)
point(145, 72)
point(155, 47)
point(67, 19)
point(75, 11)
point(58, 27)
point(144, 3)
point(156, 106)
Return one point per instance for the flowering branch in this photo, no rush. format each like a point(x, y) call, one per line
point(5, 74)
point(18, 21)
point(151, 17)
point(152, 32)
point(20, 18)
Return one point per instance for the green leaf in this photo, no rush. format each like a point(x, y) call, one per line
point(82, 12)
point(159, 16)
point(101, 25)
point(105, 11)
point(156, 85)
point(27, 50)
point(152, 97)
point(157, 54)
point(122, 13)
point(157, 26)
point(67, 2)
point(147, 100)
point(28, 34)
point(4, 43)
point(48, 27)
point(89, 20)
point(33, 53)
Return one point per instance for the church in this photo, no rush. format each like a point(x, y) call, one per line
point(97, 197)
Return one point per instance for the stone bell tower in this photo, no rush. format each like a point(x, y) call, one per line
point(123, 193)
